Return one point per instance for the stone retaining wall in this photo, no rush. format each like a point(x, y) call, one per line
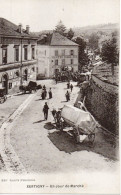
point(102, 102)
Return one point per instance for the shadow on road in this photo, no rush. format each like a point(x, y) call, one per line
point(49, 126)
point(64, 142)
point(19, 94)
point(39, 121)
point(38, 99)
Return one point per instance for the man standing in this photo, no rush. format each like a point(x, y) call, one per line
point(67, 96)
point(45, 110)
point(71, 87)
point(50, 94)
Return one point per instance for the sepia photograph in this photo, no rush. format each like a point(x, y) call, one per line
point(59, 96)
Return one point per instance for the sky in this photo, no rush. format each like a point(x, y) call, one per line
point(45, 14)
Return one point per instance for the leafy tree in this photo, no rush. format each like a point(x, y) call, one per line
point(110, 53)
point(60, 27)
point(70, 34)
point(93, 41)
point(83, 57)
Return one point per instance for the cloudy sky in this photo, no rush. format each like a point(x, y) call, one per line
point(45, 14)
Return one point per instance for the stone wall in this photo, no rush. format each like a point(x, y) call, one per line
point(102, 101)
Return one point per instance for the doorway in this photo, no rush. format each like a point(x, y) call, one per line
point(25, 74)
point(5, 82)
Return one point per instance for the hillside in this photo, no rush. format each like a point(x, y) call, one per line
point(87, 30)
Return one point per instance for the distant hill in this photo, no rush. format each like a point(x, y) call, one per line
point(87, 30)
point(104, 28)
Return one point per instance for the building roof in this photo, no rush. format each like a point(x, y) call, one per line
point(56, 39)
point(7, 28)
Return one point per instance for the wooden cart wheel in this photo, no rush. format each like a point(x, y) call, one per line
point(91, 137)
point(61, 126)
point(2, 101)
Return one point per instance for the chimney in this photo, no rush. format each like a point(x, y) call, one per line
point(20, 28)
point(27, 29)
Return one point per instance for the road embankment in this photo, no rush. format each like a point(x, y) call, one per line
point(102, 101)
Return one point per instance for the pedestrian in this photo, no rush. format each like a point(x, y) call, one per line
point(71, 86)
point(43, 94)
point(50, 94)
point(45, 110)
point(54, 114)
point(44, 87)
point(68, 85)
point(56, 80)
point(67, 96)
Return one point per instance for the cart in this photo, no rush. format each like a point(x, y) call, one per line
point(81, 123)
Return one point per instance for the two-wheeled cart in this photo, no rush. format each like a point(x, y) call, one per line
point(80, 122)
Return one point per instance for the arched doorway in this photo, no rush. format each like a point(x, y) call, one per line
point(5, 82)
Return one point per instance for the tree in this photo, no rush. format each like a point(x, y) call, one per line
point(110, 53)
point(70, 34)
point(60, 27)
point(93, 41)
point(83, 57)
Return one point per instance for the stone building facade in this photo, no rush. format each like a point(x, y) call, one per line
point(55, 54)
point(17, 55)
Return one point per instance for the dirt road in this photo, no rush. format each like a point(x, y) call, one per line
point(42, 148)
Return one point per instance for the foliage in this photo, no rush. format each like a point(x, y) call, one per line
point(60, 28)
point(110, 53)
point(93, 41)
point(83, 57)
point(70, 34)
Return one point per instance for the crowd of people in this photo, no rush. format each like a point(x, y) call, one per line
point(67, 76)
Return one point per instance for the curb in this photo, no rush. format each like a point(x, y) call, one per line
point(10, 158)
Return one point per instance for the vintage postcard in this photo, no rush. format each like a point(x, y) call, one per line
point(59, 96)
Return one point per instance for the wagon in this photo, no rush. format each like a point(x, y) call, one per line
point(81, 122)
point(32, 86)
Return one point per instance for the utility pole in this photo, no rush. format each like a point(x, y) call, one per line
point(21, 65)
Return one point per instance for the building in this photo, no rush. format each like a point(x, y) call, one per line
point(55, 54)
point(17, 55)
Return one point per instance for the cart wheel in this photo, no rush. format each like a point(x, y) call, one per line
point(61, 126)
point(91, 137)
point(2, 101)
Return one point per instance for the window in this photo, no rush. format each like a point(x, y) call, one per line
point(63, 61)
point(33, 69)
point(4, 55)
point(71, 52)
point(56, 52)
point(63, 52)
point(16, 53)
point(71, 61)
point(17, 74)
point(33, 53)
point(10, 85)
point(25, 53)
point(56, 62)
